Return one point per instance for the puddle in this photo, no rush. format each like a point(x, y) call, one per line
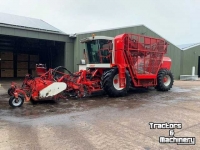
point(177, 89)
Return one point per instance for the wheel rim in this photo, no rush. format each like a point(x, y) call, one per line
point(16, 102)
point(167, 80)
point(116, 82)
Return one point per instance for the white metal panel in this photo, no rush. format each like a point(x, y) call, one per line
point(52, 90)
point(82, 67)
point(98, 66)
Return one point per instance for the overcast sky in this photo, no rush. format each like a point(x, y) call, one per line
point(176, 20)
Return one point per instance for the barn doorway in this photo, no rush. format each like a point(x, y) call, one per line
point(199, 67)
point(19, 55)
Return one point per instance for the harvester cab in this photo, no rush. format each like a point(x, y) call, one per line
point(99, 51)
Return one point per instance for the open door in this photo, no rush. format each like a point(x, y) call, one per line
point(199, 67)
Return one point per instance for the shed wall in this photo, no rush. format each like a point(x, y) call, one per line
point(69, 56)
point(190, 58)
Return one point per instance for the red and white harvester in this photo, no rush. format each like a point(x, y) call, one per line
point(114, 65)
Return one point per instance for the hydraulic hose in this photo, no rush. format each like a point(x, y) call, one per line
point(61, 67)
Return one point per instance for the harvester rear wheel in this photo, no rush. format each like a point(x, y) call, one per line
point(165, 80)
point(110, 83)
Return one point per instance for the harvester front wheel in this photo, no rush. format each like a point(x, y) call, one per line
point(110, 83)
point(16, 102)
point(165, 80)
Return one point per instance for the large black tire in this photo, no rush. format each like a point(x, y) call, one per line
point(165, 80)
point(10, 92)
point(13, 102)
point(110, 87)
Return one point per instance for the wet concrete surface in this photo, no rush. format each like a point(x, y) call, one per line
point(102, 122)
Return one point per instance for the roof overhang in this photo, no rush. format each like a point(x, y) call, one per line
point(31, 29)
point(18, 32)
point(191, 46)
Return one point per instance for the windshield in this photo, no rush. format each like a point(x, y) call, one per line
point(99, 51)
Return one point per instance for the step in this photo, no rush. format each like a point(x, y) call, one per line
point(188, 77)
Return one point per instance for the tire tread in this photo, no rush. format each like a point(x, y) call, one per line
point(107, 83)
point(160, 85)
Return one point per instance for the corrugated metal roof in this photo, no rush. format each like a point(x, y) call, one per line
point(26, 22)
point(188, 46)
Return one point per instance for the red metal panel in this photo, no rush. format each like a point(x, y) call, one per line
point(142, 54)
point(146, 76)
point(166, 63)
point(119, 50)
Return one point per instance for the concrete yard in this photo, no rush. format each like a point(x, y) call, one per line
point(102, 122)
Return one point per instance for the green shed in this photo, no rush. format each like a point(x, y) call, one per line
point(190, 57)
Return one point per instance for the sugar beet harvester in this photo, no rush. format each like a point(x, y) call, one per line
point(113, 65)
